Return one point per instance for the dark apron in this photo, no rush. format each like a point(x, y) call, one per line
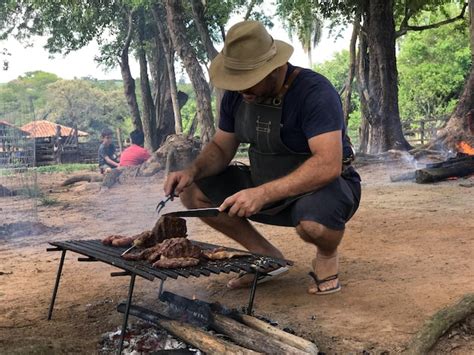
point(270, 159)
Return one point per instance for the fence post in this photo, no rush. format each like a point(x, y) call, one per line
point(422, 132)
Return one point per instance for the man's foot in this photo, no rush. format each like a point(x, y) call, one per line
point(325, 276)
point(245, 279)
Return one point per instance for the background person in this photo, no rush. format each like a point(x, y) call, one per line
point(135, 154)
point(107, 156)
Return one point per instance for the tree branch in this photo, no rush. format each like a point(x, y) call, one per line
point(405, 27)
point(128, 39)
point(249, 10)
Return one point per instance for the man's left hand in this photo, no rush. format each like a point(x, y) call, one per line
point(245, 202)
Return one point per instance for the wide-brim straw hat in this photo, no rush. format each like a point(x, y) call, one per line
point(248, 56)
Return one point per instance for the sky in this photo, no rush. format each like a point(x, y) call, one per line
point(81, 63)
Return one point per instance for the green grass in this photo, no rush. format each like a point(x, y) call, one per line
point(48, 201)
point(66, 168)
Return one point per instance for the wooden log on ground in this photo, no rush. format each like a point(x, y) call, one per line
point(403, 177)
point(439, 323)
point(188, 333)
point(287, 338)
point(459, 169)
point(111, 178)
point(250, 338)
point(4, 192)
point(78, 178)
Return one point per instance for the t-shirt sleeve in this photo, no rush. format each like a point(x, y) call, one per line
point(101, 152)
point(322, 111)
point(226, 120)
point(145, 155)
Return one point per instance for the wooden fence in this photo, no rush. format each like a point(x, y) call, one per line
point(46, 153)
point(425, 131)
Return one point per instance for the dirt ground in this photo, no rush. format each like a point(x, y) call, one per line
point(407, 253)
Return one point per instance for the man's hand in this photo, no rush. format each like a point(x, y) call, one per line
point(245, 203)
point(176, 182)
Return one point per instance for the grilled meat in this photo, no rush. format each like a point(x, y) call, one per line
point(221, 254)
point(170, 248)
point(117, 241)
point(175, 262)
point(166, 227)
point(169, 227)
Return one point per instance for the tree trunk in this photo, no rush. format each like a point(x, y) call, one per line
point(460, 126)
point(174, 11)
point(362, 72)
point(385, 126)
point(165, 124)
point(200, 21)
point(346, 101)
point(201, 25)
point(128, 81)
point(159, 16)
point(148, 112)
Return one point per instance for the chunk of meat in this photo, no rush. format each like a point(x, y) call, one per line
point(166, 227)
point(169, 227)
point(122, 242)
point(169, 248)
point(173, 263)
point(180, 248)
point(221, 254)
point(114, 238)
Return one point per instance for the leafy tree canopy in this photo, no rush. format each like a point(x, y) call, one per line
point(433, 66)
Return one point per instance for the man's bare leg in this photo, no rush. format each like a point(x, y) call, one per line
point(326, 262)
point(236, 228)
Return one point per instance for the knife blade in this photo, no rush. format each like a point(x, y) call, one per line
point(196, 212)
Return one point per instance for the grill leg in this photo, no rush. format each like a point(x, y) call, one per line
point(127, 311)
point(252, 293)
point(160, 290)
point(56, 285)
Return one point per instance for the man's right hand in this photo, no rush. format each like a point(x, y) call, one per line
point(176, 182)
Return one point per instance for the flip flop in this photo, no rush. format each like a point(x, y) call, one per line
point(262, 277)
point(318, 282)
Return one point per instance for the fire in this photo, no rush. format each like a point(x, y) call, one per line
point(465, 148)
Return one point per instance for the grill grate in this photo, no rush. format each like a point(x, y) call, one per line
point(112, 256)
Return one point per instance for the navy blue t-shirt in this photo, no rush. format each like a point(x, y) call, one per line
point(311, 107)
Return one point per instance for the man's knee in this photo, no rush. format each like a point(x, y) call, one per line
point(192, 197)
point(310, 231)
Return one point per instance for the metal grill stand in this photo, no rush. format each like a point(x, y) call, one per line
point(95, 251)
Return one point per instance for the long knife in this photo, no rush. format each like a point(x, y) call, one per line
point(196, 212)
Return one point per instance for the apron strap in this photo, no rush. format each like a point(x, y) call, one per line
point(288, 82)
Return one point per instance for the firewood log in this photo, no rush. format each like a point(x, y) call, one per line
point(281, 335)
point(188, 333)
point(460, 169)
point(250, 338)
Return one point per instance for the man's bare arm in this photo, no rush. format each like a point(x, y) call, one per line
point(215, 156)
point(110, 161)
point(320, 169)
point(213, 159)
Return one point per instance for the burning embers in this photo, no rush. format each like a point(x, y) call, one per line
point(465, 148)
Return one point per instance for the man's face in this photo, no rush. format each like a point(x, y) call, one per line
point(262, 90)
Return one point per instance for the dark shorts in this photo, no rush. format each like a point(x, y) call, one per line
point(332, 205)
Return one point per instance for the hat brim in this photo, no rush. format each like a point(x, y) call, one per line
point(237, 80)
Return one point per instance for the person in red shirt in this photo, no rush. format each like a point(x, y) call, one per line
point(135, 154)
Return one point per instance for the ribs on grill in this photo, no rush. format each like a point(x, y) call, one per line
point(171, 253)
point(180, 252)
